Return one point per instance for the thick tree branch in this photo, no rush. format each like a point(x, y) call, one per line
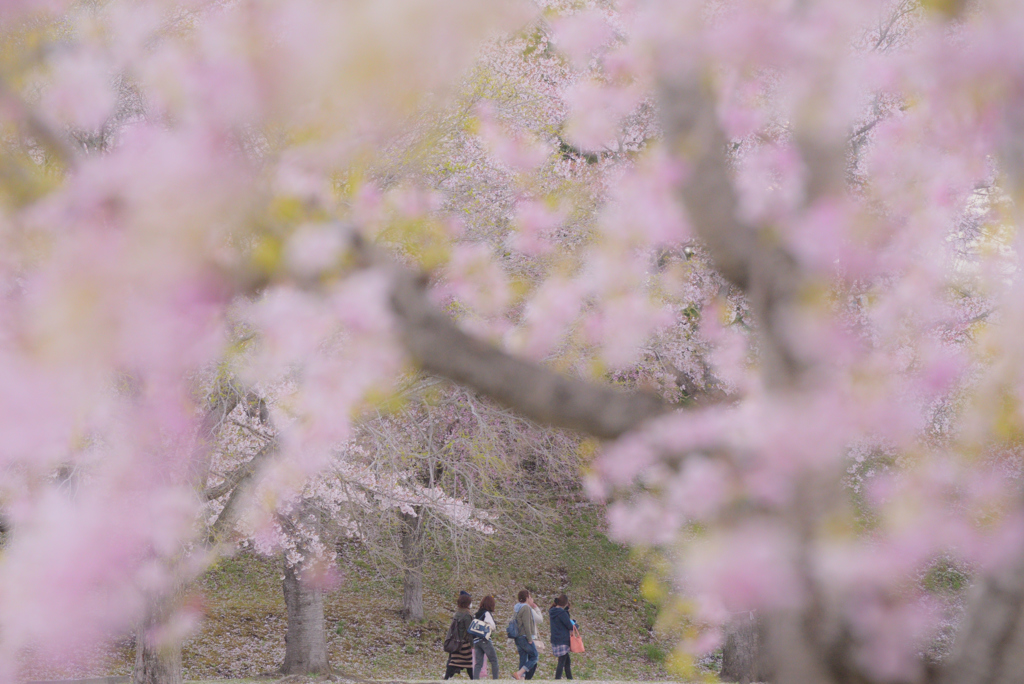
point(238, 475)
point(825, 161)
point(756, 259)
point(225, 396)
point(752, 259)
point(440, 347)
point(243, 480)
point(692, 132)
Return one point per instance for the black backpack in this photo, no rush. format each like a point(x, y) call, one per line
point(453, 642)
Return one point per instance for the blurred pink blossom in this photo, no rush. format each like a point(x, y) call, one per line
point(581, 35)
point(750, 567)
point(82, 93)
point(535, 222)
point(597, 111)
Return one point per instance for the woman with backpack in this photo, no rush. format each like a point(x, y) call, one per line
point(458, 643)
point(525, 635)
point(561, 630)
point(483, 645)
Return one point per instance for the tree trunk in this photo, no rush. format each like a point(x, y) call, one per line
point(743, 655)
point(412, 558)
point(305, 640)
point(156, 662)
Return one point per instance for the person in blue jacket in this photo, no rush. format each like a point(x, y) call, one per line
point(561, 629)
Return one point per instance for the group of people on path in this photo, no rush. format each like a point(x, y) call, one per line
point(471, 642)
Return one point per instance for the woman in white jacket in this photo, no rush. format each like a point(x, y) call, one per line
point(483, 645)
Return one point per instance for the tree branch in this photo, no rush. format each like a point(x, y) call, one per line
point(440, 347)
point(242, 480)
point(226, 395)
point(754, 259)
point(238, 475)
point(751, 259)
point(692, 132)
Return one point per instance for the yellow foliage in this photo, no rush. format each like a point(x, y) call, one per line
point(587, 449)
point(386, 401)
point(682, 664)
point(288, 210)
point(267, 254)
point(947, 8)
point(1007, 424)
point(652, 589)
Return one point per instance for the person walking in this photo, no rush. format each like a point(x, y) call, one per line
point(526, 629)
point(463, 657)
point(561, 630)
point(483, 645)
point(538, 620)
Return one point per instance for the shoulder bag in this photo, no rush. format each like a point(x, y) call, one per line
point(575, 641)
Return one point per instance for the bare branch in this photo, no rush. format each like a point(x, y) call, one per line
point(886, 35)
point(225, 396)
point(252, 431)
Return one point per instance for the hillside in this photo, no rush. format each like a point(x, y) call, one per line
point(243, 633)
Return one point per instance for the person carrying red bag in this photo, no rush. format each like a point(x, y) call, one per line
point(562, 627)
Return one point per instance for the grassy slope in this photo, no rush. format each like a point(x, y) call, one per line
point(243, 633)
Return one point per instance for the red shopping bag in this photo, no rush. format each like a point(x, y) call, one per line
point(576, 641)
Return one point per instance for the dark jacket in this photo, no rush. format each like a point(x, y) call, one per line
point(464, 656)
point(561, 625)
point(463, 617)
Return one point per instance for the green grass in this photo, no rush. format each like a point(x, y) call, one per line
point(655, 653)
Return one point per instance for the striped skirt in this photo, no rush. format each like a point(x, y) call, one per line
point(463, 657)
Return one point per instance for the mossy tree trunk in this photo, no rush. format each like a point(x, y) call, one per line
point(157, 661)
point(744, 658)
point(413, 559)
point(305, 639)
